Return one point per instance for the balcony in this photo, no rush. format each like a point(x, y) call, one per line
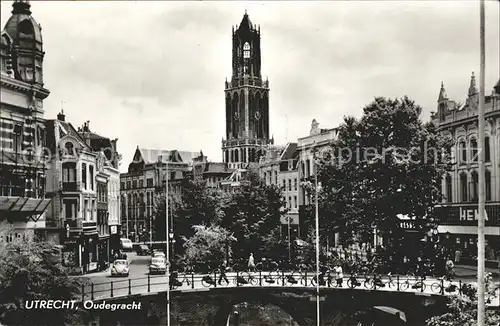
point(89, 225)
point(70, 187)
point(74, 224)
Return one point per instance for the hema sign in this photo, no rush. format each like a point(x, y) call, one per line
point(467, 215)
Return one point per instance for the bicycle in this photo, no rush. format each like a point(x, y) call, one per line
point(267, 265)
point(377, 282)
point(244, 279)
point(439, 287)
point(418, 284)
point(176, 283)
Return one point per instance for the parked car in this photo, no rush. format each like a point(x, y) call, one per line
point(158, 253)
point(126, 244)
point(120, 267)
point(158, 265)
point(142, 250)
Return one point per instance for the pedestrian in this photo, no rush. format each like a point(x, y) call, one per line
point(457, 256)
point(251, 263)
point(339, 276)
point(223, 268)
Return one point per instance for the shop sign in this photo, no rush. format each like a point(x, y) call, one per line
point(70, 241)
point(113, 229)
point(292, 219)
point(92, 266)
point(407, 225)
point(467, 215)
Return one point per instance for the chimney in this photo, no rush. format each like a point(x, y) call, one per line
point(61, 116)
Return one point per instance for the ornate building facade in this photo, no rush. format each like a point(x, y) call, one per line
point(22, 129)
point(144, 184)
point(458, 212)
point(247, 100)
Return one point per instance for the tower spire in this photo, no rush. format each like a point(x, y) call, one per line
point(442, 94)
point(472, 87)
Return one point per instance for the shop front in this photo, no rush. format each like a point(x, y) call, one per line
point(458, 233)
point(114, 240)
point(103, 253)
point(71, 255)
point(90, 253)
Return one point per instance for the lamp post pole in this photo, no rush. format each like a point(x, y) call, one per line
point(481, 199)
point(167, 240)
point(317, 237)
point(289, 240)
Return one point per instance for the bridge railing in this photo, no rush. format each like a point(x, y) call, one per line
point(186, 281)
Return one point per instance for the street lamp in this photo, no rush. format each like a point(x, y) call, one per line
point(167, 234)
point(317, 235)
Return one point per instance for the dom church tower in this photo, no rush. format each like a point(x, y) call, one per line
point(247, 100)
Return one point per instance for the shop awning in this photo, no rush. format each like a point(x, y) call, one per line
point(23, 205)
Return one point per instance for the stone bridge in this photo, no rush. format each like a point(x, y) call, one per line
point(201, 301)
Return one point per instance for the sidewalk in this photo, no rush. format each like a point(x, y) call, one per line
point(470, 271)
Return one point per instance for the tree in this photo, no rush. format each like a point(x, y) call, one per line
point(253, 215)
point(208, 246)
point(199, 206)
point(386, 163)
point(29, 271)
point(462, 311)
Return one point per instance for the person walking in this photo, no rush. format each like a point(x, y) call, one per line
point(457, 256)
point(251, 263)
point(339, 275)
point(222, 271)
point(449, 269)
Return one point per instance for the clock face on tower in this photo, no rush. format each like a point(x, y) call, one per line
point(257, 115)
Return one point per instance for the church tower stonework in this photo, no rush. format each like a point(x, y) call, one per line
point(247, 100)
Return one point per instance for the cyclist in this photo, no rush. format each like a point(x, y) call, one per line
point(449, 270)
point(223, 268)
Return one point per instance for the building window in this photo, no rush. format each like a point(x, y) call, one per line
point(295, 201)
point(149, 182)
point(449, 188)
point(84, 175)
point(70, 208)
point(473, 152)
point(265, 177)
point(128, 185)
point(141, 183)
point(69, 148)
point(122, 185)
point(290, 202)
point(172, 175)
point(487, 178)
point(91, 174)
point(134, 184)
point(474, 187)
point(284, 184)
point(295, 184)
point(463, 187)
point(487, 153)
point(463, 152)
point(69, 172)
point(246, 50)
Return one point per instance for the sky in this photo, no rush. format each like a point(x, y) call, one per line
point(151, 73)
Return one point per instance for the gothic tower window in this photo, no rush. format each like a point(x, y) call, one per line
point(246, 51)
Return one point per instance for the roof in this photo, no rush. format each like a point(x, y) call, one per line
point(64, 129)
point(290, 152)
point(245, 24)
point(216, 167)
point(150, 156)
point(22, 14)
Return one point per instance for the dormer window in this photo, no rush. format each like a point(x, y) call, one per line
point(70, 150)
point(246, 50)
